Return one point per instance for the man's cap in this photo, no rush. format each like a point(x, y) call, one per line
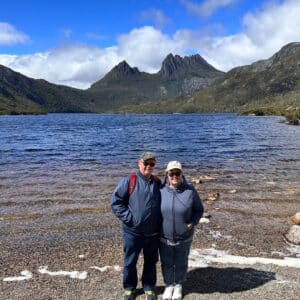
point(174, 164)
point(147, 155)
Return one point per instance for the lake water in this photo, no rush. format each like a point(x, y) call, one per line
point(58, 170)
point(208, 140)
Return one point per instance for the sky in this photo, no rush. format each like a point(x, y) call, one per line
point(76, 43)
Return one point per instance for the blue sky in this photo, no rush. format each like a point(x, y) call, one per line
point(76, 42)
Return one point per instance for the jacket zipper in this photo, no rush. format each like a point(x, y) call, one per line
point(173, 213)
point(149, 186)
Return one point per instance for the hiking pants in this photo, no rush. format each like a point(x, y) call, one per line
point(174, 262)
point(133, 245)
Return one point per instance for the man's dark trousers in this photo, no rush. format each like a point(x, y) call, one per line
point(133, 245)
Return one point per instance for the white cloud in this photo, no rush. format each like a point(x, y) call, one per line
point(74, 65)
point(265, 32)
point(81, 65)
point(9, 35)
point(207, 7)
point(146, 47)
point(156, 16)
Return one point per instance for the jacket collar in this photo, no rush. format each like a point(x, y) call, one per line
point(143, 177)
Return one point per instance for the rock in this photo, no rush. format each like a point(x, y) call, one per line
point(293, 235)
point(206, 215)
point(207, 177)
point(232, 191)
point(296, 218)
point(196, 180)
point(204, 220)
point(212, 196)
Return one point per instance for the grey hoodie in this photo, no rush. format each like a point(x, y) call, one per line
point(179, 207)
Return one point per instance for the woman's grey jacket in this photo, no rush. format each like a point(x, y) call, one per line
point(179, 207)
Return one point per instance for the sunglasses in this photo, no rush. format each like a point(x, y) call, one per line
point(146, 163)
point(177, 174)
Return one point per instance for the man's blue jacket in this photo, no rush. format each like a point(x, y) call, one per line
point(140, 211)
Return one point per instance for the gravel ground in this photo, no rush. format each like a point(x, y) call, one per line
point(248, 218)
point(212, 282)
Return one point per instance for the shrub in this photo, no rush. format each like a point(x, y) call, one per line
point(293, 118)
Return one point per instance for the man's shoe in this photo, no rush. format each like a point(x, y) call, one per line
point(150, 295)
point(177, 293)
point(168, 292)
point(128, 295)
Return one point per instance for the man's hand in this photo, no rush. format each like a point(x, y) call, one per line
point(189, 226)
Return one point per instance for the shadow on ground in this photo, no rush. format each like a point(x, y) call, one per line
point(221, 280)
point(225, 280)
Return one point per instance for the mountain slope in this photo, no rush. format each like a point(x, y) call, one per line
point(20, 94)
point(178, 76)
point(274, 82)
point(186, 84)
point(121, 86)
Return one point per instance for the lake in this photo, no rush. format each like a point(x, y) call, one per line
point(208, 140)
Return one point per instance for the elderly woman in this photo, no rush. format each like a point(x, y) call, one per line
point(181, 209)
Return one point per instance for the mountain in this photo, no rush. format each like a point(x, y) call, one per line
point(274, 81)
point(178, 76)
point(270, 85)
point(123, 85)
point(176, 67)
point(20, 94)
point(187, 84)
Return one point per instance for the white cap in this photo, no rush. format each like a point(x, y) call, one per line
point(174, 164)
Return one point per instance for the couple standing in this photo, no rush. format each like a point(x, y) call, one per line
point(156, 216)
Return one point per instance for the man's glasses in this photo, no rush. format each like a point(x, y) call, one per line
point(177, 174)
point(146, 163)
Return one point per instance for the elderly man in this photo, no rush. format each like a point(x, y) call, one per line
point(136, 202)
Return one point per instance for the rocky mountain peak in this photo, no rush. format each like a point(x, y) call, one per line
point(176, 66)
point(123, 69)
point(170, 65)
point(198, 61)
point(120, 72)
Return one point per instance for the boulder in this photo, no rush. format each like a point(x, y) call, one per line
point(293, 235)
point(296, 218)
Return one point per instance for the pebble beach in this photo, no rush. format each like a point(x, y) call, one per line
point(68, 245)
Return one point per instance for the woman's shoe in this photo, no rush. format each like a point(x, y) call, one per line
point(168, 292)
point(177, 293)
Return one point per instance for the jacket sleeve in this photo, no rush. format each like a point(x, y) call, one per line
point(197, 208)
point(119, 202)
